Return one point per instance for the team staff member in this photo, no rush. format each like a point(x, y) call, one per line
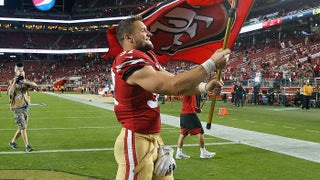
point(190, 124)
point(19, 103)
point(137, 78)
point(307, 92)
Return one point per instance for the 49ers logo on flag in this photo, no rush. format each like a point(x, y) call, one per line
point(186, 26)
point(189, 30)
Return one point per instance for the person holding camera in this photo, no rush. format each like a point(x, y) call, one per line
point(19, 103)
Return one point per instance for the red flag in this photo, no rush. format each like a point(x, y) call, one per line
point(185, 32)
point(203, 2)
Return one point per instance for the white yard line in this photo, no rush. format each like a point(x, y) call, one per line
point(293, 147)
point(74, 128)
point(97, 149)
point(58, 151)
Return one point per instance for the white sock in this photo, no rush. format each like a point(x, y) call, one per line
point(202, 150)
point(179, 150)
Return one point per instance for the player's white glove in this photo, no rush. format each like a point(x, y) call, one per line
point(165, 163)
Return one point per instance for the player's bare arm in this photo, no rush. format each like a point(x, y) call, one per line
point(186, 83)
point(164, 83)
point(30, 83)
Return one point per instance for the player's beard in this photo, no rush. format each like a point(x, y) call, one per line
point(143, 45)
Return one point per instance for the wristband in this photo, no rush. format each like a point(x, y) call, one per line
point(209, 66)
point(202, 87)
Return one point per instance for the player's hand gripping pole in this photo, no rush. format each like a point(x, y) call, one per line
point(231, 14)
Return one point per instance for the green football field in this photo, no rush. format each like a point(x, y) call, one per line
point(77, 139)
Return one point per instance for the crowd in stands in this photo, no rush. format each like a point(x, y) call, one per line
point(287, 62)
point(90, 70)
point(38, 40)
point(101, 8)
point(264, 12)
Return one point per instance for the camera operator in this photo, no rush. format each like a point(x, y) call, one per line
point(19, 103)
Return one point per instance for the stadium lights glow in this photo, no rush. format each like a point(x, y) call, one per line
point(50, 51)
point(252, 27)
point(64, 21)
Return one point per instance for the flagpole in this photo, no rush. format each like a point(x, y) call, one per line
point(231, 13)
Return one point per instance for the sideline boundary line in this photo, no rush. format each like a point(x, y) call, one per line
point(57, 128)
point(97, 149)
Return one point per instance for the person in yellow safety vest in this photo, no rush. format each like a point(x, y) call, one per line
point(307, 92)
